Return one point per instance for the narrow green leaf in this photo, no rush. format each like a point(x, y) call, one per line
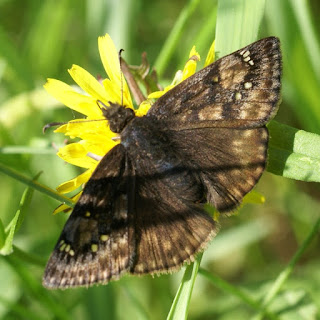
point(15, 223)
point(44, 42)
point(142, 312)
point(206, 34)
point(15, 61)
point(301, 96)
point(309, 33)
point(7, 247)
point(294, 305)
point(2, 234)
point(119, 22)
point(232, 290)
point(238, 24)
point(26, 150)
point(284, 275)
point(172, 40)
point(294, 153)
point(36, 185)
point(25, 202)
point(180, 306)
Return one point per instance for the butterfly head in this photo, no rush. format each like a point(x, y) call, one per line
point(118, 116)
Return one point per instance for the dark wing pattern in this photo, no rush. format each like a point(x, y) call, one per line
point(97, 243)
point(169, 230)
point(228, 161)
point(240, 90)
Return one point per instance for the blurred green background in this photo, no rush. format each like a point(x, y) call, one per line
point(41, 39)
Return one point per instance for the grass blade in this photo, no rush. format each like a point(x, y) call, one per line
point(180, 306)
point(238, 24)
point(172, 40)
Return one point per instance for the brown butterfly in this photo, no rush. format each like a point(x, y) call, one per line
point(142, 211)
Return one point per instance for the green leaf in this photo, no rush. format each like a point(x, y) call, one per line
point(15, 223)
point(2, 234)
point(15, 61)
point(7, 247)
point(294, 305)
point(238, 24)
point(286, 272)
point(293, 153)
point(44, 40)
point(172, 40)
point(180, 306)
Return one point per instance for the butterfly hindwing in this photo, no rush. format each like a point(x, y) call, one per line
point(239, 90)
point(229, 161)
point(97, 243)
point(169, 230)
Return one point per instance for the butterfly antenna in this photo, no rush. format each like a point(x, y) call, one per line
point(52, 124)
point(121, 76)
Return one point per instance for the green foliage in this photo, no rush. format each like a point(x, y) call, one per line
point(265, 261)
point(294, 153)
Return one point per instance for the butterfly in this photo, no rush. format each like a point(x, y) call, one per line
point(204, 141)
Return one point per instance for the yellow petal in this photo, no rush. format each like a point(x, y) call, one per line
point(89, 84)
point(76, 154)
point(74, 100)
point(65, 208)
point(110, 60)
point(62, 129)
point(117, 93)
point(143, 108)
point(158, 94)
point(191, 65)
point(97, 147)
point(211, 55)
point(74, 183)
point(83, 127)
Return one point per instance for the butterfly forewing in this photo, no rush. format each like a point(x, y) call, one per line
point(97, 243)
point(238, 90)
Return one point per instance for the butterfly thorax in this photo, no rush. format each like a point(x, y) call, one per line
point(118, 116)
point(156, 158)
